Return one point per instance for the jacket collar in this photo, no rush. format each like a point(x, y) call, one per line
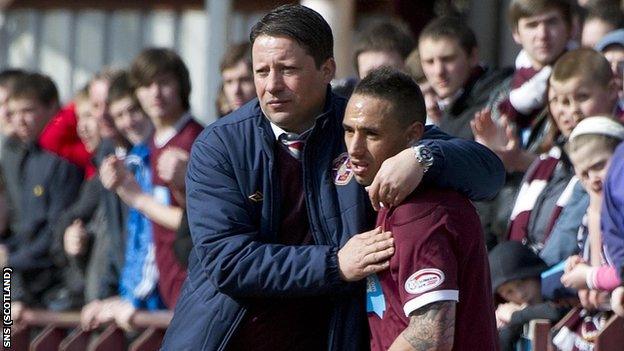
point(273, 131)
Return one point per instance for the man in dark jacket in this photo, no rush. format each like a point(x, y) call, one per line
point(271, 201)
point(450, 60)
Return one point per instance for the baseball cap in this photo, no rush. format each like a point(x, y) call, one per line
point(615, 37)
point(601, 125)
point(512, 260)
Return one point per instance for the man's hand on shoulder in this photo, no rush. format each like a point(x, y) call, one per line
point(365, 254)
point(397, 177)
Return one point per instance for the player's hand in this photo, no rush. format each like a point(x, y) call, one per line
point(171, 166)
point(365, 254)
point(397, 177)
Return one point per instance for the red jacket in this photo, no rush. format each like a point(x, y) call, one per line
point(60, 137)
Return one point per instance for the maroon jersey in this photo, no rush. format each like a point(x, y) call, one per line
point(171, 273)
point(440, 255)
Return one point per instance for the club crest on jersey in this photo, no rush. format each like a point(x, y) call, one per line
point(341, 169)
point(424, 280)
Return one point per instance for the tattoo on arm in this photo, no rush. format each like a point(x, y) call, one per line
point(432, 327)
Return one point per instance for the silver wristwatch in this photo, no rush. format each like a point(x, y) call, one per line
point(423, 156)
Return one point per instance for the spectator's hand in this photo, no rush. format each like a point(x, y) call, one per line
point(124, 312)
point(129, 191)
point(75, 239)
point(504, 312)
point(397, 177)
point(487, 132)
point(583, 296)
point(595, 200)
point(4, 255)
point(599, 300)
point(107, 310)
point(365, 254)
point(112, 172)
point(617, 301)
point(117, 178)
point(171, 166)
point(571, 262)
point(17, 311)
point(89, 313)
point(577, 277)
point(502, 139)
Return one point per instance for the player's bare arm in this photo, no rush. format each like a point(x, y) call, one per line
point(431, 327)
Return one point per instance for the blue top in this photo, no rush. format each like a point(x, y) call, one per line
point(139, 276)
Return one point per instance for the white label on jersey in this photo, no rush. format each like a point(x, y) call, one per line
point(424, 280)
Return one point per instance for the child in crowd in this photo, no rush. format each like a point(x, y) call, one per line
point(139, 276)
point(74, 230)
point(581, 85)
point(40, 186)
point(591, 147)
point(515, 272)
point(612, 47)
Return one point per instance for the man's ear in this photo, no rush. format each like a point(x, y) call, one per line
point(329, 69)
point(474, 57)
point(614, 91)
point(516, 36)
point(414, 132)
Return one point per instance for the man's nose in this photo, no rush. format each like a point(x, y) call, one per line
point(356, 145)
point(275, 82)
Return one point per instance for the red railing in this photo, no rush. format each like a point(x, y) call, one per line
point(610, 338)
point(43, 330)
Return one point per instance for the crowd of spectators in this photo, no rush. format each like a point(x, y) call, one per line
point(92, 193)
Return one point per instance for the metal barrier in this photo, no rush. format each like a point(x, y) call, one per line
point(42, 330)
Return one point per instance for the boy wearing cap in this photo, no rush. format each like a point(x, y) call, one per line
point(612, 47)
point(515, 272)
point(437, 282)
point(591, 148)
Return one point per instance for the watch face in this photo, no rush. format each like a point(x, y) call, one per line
point(425, 154)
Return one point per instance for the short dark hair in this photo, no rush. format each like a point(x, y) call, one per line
point(453, 28)
point(35, 86)
point(302, 24)
point(399, 89)
point(607, 11)
point(234, 54)
point(120, 88)
point(527, 8)
point(9, 76)
point(386, 36)
point(152, 62)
